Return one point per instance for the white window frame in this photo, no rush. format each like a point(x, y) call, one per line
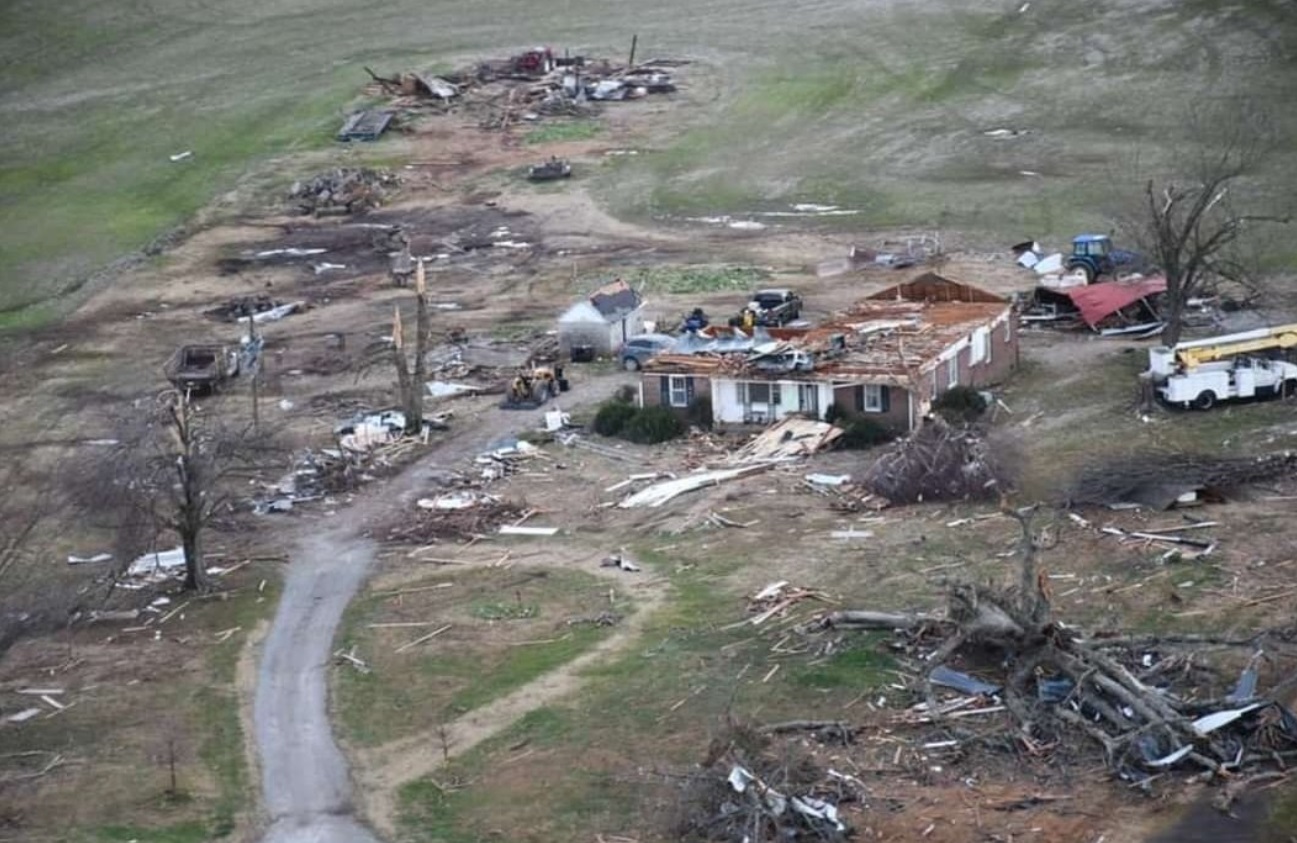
point(952, 372)
point(680, 384)
point(873, 398)
point(979, 345)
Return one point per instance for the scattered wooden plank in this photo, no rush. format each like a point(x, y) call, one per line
point(398, 592)
point(422, 639)
point(515, 530)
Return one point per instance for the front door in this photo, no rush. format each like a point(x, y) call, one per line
point(808, 399)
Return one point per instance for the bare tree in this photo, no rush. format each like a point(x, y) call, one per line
point(1193, 226)
point(25, 604)
point(171, 475)
point(410, 379)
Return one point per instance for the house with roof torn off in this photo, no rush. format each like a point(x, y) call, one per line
point(886, 358)
point(602, 322)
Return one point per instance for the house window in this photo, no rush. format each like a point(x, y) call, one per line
point(873, 398)
point(676, 390)
point(679, 391)
point(952, 372)
point(758, 393)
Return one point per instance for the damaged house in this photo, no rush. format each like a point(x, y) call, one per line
point(603, 322)
point(886, 358)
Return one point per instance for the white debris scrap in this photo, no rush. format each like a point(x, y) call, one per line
point(88, 560)
point(660, 493)
point(158, 562)
point(446, 389)
point(274, 314)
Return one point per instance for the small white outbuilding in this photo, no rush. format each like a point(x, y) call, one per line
point(604, 321)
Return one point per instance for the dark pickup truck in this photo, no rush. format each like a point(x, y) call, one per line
point(776, 307)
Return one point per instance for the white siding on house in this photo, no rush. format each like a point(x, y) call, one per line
point(729, 407)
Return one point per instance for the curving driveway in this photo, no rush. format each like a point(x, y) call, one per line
point(306, 784)
point(304, 775)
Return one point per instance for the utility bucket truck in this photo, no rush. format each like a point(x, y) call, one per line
point(1201, 373)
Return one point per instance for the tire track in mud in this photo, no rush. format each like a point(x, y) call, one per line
point(384, 769)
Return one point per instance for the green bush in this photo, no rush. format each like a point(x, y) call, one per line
point(960, 405)
point(613, 417)
point(860, 434)
point(652, 425)
point(835, 413)
point(699, 413)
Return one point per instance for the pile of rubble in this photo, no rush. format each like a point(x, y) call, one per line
point(242, 307)
point(751, 789)
point(462, 511)
point(346, 190)
point(368, 445)
point(530, 85)
point(460, 515)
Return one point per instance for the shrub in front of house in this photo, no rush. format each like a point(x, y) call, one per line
point(651, 425)
point(859, 434)
point(835, 413)
point(613, 416)
point(960, 405)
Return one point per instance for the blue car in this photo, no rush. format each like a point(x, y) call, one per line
point(639, 349)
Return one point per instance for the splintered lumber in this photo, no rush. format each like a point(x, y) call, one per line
point(422, 638)
point(790, 439)
point(661, 493)
point(517, 530)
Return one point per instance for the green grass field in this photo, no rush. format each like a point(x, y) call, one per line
point(875, 106)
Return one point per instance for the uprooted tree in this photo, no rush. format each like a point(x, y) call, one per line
point(1102, 686)
point(1193, 225)
point(411, 379)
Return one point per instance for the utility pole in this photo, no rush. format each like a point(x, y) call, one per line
point(255, 344)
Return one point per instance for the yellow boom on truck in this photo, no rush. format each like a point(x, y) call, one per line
point(1196, 352)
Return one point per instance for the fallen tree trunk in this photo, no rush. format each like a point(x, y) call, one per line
point(865, 619)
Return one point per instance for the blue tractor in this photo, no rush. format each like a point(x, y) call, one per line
point(1093, 254)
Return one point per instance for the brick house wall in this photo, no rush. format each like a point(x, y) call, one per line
point(659, 390)
point(893, 403)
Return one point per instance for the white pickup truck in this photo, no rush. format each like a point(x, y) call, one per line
point(1238, 377)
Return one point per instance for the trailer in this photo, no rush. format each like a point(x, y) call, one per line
point(366, 125)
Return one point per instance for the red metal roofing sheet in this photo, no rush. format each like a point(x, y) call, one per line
point(1099, 301)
